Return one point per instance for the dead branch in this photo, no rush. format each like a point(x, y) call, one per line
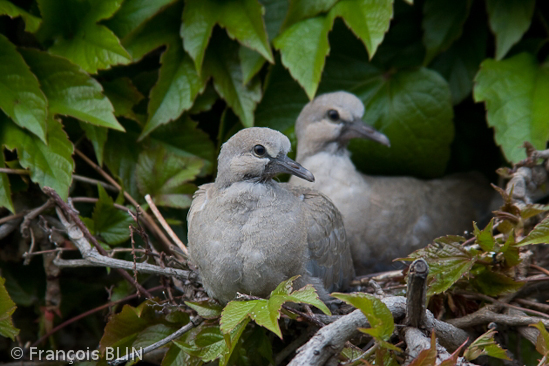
point(416, 294)
point(485, 316)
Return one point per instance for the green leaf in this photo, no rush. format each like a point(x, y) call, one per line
point(250, 63)
point(205, 101)
point(495, 283)
point(515, 92)
point(379, 316)
point(485, 345)
point(124, 96)
point(242, 19)
point(531, 210)
point(50, 165)
point(7, 308)
point(427, 357)
point(303, 48)
point(448, 261)
point(74, 30)
point(164, 176)
point(152, 334)
point(442, 24)
point(539, 235)
point(177, 87)
point(236, 312)
point(20, 95)
point(368, 19)
point(32, 23)
point(206, 309)
point(485, 238)
point(308, 295)
point(223, 65)
point(509, 20)
point(275, 11)
point(121, 154)
point(98, 137)
point(302, 9)
point(177, 357)
point(134, 13)
point(460, 63)
point(70, 90)
point(5, 190)
point(109, 222)
point(542, 343)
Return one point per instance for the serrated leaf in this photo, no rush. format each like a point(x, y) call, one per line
point(124, 96)
point(303, 48)
point(165, 175)
point(250, 63)
point(70, 90)
point(308, 295)
point(177, 87)
point(152, 334)
point(368, 19)
point(223, 65)
point(454, 357)
point(275, 11)
point(509, 20)
point(76, 34)
point(243, 20)
point(494, 283)
point(485, 238)
point(442, 24)
point(206, 309)
point(175, 356)
point(379, 316)
point(539, 235)
point(5, 190)
point(303, 9)
point(121, 154)
point(134, 13)
point(205, 101)
point(7, 308)
point(109, 222)
point(50, 165)
point(448, 261)
point(236, 312)
point(20, 95)
point(511, 251)
point(98, 137)
point(542, 342)
point(32, 23)
point(533, 209)
point(485, 345)
point(515, 92)
point(427, 357)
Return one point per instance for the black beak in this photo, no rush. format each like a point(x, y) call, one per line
point(283, 164)
point(358, 129)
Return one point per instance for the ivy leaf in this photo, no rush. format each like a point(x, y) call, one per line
point(495, 283)
point(275, 11)
point(98, 137)
point(539, 235)
point(509, 20)
point(223, 65)
point(7, 308)
point(165, 175)
point(124, 96)
point(303, 48)
point(485, 345)
point(485, 238)
point(448, 261)
point(20, 95)
point(303, 9)
point(242, 19)
point(542, 343)
point(74, 30)
point(5, 190)
point(379, 316)
point(70, 90)
point(32, 23)
point(250, 63)
point(368, 19)
point(50, 165)
point(177, 87)
point(109, 222)
point(134, 13)
point(121, 154)
point(442, 24)
point(515, 92)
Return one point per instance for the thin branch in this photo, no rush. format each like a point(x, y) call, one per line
point(485, 316)
point(105, 185)
point(504, 304)
point(134, 355)
point(165, 225)
point(94, 200)
point(13, 217)
point(15, 171)
point(34, 214)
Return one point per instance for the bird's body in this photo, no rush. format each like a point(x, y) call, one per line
point(385, 217)
point(248, 233)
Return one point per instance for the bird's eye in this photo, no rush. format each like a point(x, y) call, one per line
point(259, 150)
point(333, 115)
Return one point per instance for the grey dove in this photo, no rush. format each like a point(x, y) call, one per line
point(385, 217)
point(248, 233)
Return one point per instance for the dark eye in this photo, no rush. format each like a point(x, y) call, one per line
point(333, 115)
point(259, 150)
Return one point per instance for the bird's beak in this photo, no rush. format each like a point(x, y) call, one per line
point(358, 129)
point(283, 164)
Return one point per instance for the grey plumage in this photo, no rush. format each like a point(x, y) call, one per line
point(248, 233)
point(385, 217)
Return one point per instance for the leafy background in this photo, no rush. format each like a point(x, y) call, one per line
point(150, 89)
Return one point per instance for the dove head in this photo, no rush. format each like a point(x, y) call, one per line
point(257, 155)
point(330, 121)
